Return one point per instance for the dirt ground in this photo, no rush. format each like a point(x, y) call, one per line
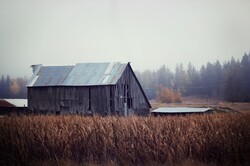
point(204, 102)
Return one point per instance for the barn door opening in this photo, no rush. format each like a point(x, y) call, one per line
point(127, 99)
point(111, 100)
point(89, 111)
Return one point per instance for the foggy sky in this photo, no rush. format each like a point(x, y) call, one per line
point(147, 33)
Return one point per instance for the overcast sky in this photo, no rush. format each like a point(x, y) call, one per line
point(147, 33)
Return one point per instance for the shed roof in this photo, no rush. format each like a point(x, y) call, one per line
point(13, 102)
point(80, 74)
point(176, 110)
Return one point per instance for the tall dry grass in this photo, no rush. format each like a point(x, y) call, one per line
point(219, 139)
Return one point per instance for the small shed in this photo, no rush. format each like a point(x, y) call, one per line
point(10, 106)
point(86, 88)
point(180, 111)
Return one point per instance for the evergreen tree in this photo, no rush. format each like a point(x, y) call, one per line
point(218, 79)
point(202, 81)
point(232, 81)
point(165, 77)
point(193, 75)
point(181, 79)
point(2, 88)
point(245, 62)
point(148, 82)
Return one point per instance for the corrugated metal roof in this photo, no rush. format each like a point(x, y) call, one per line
point(80, 74)
point(175, 110)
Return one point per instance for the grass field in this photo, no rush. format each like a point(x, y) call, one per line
point(217, 139)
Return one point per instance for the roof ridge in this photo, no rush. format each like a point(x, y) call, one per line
point(80, 74)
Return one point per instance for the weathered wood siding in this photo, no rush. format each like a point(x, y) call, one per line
point(128, 91)
point(69, 100)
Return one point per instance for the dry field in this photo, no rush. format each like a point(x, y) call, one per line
point(217, 139)
point(204, 102)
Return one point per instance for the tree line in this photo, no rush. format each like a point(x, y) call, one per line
point(229, 81)
point(13, 87)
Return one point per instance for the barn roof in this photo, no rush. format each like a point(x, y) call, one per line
point(80, 74)
point(176, 110)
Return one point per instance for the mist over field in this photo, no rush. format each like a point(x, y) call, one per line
point(148, 33)
point(228, 81)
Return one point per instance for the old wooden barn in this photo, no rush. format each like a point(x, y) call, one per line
point(86, 88)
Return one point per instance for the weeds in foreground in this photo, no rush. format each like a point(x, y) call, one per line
point(219, 138)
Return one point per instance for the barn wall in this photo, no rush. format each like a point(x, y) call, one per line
point(129, 91)
point(66, 100)
point(100, 100)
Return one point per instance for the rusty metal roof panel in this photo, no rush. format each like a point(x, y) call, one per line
point(81, 74)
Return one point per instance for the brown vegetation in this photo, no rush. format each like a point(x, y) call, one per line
point(218, 139)
point(166, 95)
point(197, 101)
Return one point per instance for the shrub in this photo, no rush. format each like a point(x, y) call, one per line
point(166, 95)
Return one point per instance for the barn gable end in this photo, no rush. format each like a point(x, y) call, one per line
point(86, 88)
